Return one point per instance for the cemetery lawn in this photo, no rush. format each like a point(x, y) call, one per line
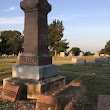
point(92, 81)
point(6, 67)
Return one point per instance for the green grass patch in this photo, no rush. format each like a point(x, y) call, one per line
point(69, 76)
point(6, 68)
point(84, 69)
point(3, 76)
point(95, 86)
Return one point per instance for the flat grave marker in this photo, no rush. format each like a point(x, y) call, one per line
point(47, 102)
point(11, 92)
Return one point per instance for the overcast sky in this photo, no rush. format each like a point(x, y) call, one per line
point(86, 22)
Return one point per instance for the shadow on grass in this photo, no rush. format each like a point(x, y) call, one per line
point(1, 82)
point(84, 69)
point(95, 86)
point(67, 95)
point(2, 76)
point(70, 71)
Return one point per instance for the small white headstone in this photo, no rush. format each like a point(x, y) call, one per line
point(81, 54)
point(70, 54)
point(102, 55)
point(62, 54)
point(96, 54)
point(74, 60)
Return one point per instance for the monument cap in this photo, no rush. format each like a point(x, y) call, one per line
point(35, 3)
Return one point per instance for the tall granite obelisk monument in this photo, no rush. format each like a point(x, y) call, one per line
point(36, 70)
point(36, 33)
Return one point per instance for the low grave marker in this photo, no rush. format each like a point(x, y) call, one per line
point(47, 102)
point(11, 92)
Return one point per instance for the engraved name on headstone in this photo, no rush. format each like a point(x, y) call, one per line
point(11, 92)
point(47, 102)
point(43, 40)
point(29, 60)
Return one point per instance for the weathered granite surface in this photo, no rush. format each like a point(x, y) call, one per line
point(34, 72)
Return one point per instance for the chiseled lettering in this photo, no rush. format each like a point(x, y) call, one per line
point(43, 106)
point(9, 93)
point(28, 60)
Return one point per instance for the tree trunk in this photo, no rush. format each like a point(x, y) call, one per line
point(55, 53)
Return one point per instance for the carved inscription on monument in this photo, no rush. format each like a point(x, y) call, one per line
point(11, 92)
point(28, 60)
point(47, 102)
point(43, 106)
point(35, 33)
point(43, 40)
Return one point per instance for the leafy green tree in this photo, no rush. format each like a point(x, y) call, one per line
point(107, 48)
point(11, 42)
point(75, 51)
point(87, 53)
point(55, 34)
point(63, 46)
point(102, 51)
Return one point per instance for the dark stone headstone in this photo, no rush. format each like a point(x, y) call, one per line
point(36, 33)
point(46, 102)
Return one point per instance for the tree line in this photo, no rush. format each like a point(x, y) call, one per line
point(106, 49)
point(11, 42)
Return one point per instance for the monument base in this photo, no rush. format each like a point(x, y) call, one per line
point(30, 88)
point(34, 72)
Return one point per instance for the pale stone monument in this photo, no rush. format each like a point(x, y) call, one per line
point(102, 55)
point(35, 70)
point(96, 54)
point(81, 54)
point(107, 55)
point(58, 55)
point(19, 55)
point(74, 60)
point(70, 54)
point(62, 54)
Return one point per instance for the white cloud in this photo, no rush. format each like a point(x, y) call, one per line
point(10, 9)
point(13, 20)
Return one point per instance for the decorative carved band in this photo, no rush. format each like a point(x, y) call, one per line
point(28, 60)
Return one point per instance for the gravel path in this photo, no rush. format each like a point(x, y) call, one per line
point(18, 105)
point(68, 95)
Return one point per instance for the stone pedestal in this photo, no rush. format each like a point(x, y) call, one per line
point(34, 72)
point(30, 88)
